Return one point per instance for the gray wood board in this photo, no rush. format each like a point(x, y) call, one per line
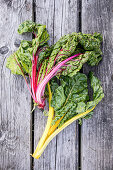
point(62, 152)
point(44, 15)
point(14, 96)
point(61, 17)
point(67, 141)
point(97, 133)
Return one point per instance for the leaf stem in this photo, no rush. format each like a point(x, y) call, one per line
point(51, 74)
point(49, 121)
point(38, 154)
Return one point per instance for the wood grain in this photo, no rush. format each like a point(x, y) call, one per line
point(66, 21)
point(14, 96)
point(61, 17)
point(97, 133)
point(62, 153)
point(44, 15)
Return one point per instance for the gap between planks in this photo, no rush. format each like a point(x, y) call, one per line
point(32, 105)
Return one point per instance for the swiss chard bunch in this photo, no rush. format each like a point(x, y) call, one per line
point(64, 59)
point(41, 62)
point(68, 102)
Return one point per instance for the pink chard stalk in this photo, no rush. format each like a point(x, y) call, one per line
point(38, 88)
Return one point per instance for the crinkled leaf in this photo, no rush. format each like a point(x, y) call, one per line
point(75, 97)
point(44, 53)
point(12, 65)
point(74, 91)
point(97, 94)
point(71, 44)
point(25, 52)
point(23, 56)
point(89, 42)
point(41, 38)
point(94, 57)
point(39, 30)
point(58, 98)
point(28, 26)
point(97, 91)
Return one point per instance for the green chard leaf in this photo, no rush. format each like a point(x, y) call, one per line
point(74, 91)
point(44, 53)
point(41, 38)
point(28, 26)
point(97, 91)
point(71, 97)
point(22, 56)
point(12, 65)
point(40, 32)
point(68, 45)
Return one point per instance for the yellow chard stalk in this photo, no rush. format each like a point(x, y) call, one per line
point(49, 121)
point(51, 131)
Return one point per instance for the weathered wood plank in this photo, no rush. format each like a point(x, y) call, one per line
point(44, 15)
point(97, 133)
point(66, 21)
point(62, 153)
point(14, 96)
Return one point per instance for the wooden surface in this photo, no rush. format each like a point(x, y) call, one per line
point(89, 147)
point(62, 152)
point(14, 96)
point(97, 133)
